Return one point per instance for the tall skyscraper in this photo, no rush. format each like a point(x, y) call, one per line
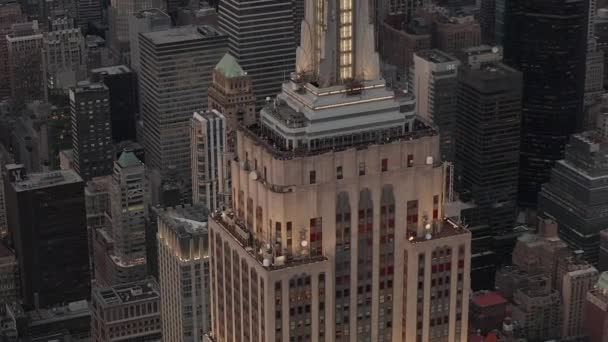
point(261, 38)
point(183, 244)
point(208, 134)
point(120, 246)
point(488, 125)
point(89, 11)
point(189, 53)
point(25, 74)
point(578, 278)
point(435, 81)
point(231, 93)
point(575, 196)
point(547, 42)
point(119, 14)
point(64, 58)
point(47, 223)
point(91, 130)
point(122, 88)
point(311, 248)
point(142, 22)
point(10, 13)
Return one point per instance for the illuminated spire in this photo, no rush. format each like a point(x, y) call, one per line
point(338, 42)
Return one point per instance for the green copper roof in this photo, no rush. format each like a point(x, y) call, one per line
point(128, 159)
point(230, 67)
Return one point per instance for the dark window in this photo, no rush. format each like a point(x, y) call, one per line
point(361, 168)
point(313, 177)
point(384, 165)
point(410, 160)
point(339, 172)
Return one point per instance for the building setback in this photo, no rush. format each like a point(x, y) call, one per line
point(190, 53)
point(51, 246)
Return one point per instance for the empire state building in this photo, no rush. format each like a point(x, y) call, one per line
point(340, 227)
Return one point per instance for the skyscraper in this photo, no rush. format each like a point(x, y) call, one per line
point(141, 22)
point(119, 14)
point(25, 74)
point(183, 244)
point(89, 11)
point(261, 38)
point(578, 208)
point(435, 81)
point(64, 58)
point(91, 130)
point(311, 248)
point(47, 223)
point(231, 93)
point(122, 88)
point(189, 53)
point(10, 13)
point(547, 42)
point(488, 125)
point(120, 255)
point(208, 134)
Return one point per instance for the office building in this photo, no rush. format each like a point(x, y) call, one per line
point(578, 278)
point(119, 14)
point(89, 11)
point(262, 41)
point(578, 209)
point(25, 74)
point(9, 278)
point(91, 130)
point(72, 319)
point(489, 110)
point(10, 13)
point(51, 246)
point(64, 59)
point(596, 311)
point(488, 311)
point(547, 42)
point(452, 29)
point(120, 251)
point(149, 20)
point(183, 244)
point(231, 93)
point(210, 181)
point(288, 253)
point(400, 40)
point(126, 312)
point(122, 88)
point(487, 21)
point(167, 106)
point(435, 79)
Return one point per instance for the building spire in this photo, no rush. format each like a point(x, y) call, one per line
point(338, 42)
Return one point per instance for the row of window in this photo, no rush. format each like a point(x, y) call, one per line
point(340, 170)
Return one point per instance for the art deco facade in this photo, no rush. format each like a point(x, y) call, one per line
point(231, 93)
point(337, 230)
point(183, 244)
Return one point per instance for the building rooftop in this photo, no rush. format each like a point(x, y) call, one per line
point(229, 66)
point(182, 34)
point(86, 86)
point(436, 56)
point(112, 70)
point(150, 13)
point(127, 293)
point(62, 313)
point(488, 299)
point(42, 180)
point(186, 220)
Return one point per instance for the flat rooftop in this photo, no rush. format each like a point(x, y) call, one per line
point(182, 34)
point(151, 13)
point(112, 70)
point(186, 220)
point(127, 293)
point(86, 86)
point(436, 56)
point(62, 313)
point(46, 179)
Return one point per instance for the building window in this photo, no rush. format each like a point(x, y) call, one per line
point(313, 177)
point(412, 218)
point(410, 160)
point(361, 168)
point(384, 165)
point(339, 172)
